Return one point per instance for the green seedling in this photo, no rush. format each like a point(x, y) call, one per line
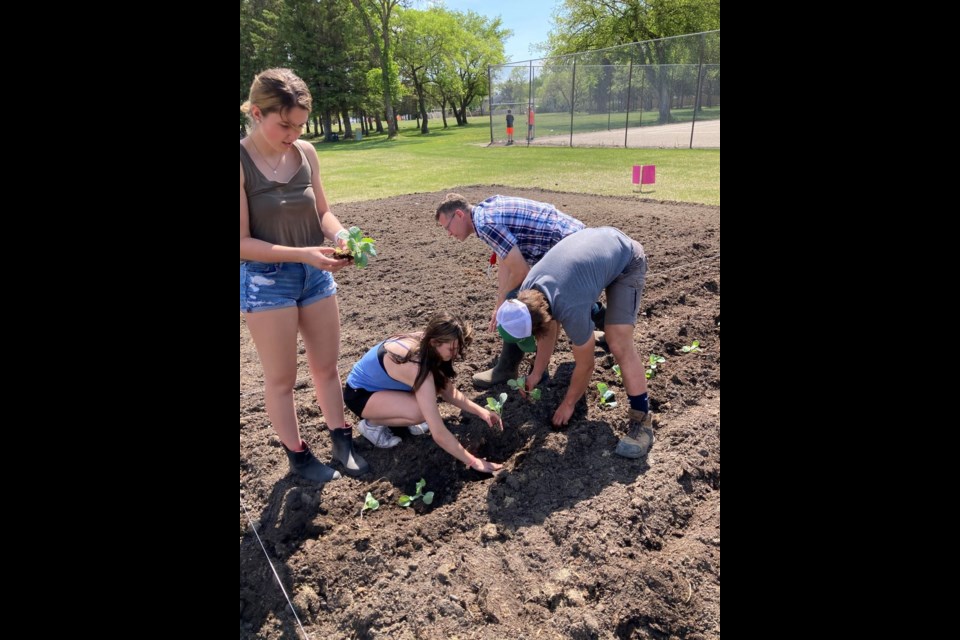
point(520, 385)
point(692, 348)
point(616, 370)
point(496, 404)
point(359, 249)
point(406, 501)
point(606, 395)
point(652, 367)
point(370, 504)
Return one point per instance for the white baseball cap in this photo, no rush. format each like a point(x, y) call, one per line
point(514, 325)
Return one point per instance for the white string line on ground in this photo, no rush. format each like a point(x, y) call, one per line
point(662, 271)
point(275, 574)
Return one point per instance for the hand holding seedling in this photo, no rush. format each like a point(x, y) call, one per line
point(354, 246)
point(519, 385)
point(492, 418)
point(496, 404)
point(323, 258)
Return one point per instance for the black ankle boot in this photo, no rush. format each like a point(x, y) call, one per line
point(303, 464)
point(353, 464)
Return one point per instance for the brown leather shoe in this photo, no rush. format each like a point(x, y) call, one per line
point(639, 438)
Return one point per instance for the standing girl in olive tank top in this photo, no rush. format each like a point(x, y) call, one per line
point(286, 284)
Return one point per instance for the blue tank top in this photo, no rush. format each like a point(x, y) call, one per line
point(370, 374)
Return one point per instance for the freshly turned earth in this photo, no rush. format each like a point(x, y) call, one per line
point(569, 541)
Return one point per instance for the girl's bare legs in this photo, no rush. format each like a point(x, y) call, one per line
point(393, 409)
point(275, 335)
point(320, 330)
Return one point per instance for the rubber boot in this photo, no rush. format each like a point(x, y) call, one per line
point(303, 464)
point(638, 441)
point(505, 369)
point(353, 464)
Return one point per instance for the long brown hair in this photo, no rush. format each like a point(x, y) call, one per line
point(443, 326)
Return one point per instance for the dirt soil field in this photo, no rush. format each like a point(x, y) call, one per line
point(569, 541)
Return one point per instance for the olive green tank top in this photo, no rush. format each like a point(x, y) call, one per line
point(282, 213)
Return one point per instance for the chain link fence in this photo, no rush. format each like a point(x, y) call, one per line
point(658, 93)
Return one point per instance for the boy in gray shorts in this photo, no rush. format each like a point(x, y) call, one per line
point(560, 291)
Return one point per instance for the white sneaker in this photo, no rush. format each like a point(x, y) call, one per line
point(380, 436)
point(419, 429)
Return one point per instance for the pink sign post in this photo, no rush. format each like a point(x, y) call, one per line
point(644, 174)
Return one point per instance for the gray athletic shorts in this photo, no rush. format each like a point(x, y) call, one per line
point(623, 294)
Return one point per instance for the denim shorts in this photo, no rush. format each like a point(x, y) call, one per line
point(276, 285)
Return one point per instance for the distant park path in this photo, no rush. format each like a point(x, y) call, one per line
point(706, 135)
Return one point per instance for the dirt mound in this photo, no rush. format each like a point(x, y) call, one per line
point(569, 541)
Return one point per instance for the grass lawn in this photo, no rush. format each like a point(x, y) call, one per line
point(378, 168)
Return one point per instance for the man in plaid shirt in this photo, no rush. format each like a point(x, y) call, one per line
point(520, 232)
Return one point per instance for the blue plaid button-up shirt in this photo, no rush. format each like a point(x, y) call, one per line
point(530, 226)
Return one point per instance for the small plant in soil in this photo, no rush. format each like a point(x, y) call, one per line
point(606, 395)
point(359, 249)
point(616, 370)
point(652, 367)
point(692, 348)
point(406, 501)
point(519, 385)
point(496, 404)
point(369, 504)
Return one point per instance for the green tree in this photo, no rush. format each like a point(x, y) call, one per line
point(479, 45)
point(584, 25)
point(319, 36)
point(375, 15)
point(260, 45)
point(423, 41)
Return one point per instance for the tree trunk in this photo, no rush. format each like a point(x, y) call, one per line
point(664, 103)
point(424, 128)
point(327, 123)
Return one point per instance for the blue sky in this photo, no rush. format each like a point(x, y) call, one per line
point(530, 20)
